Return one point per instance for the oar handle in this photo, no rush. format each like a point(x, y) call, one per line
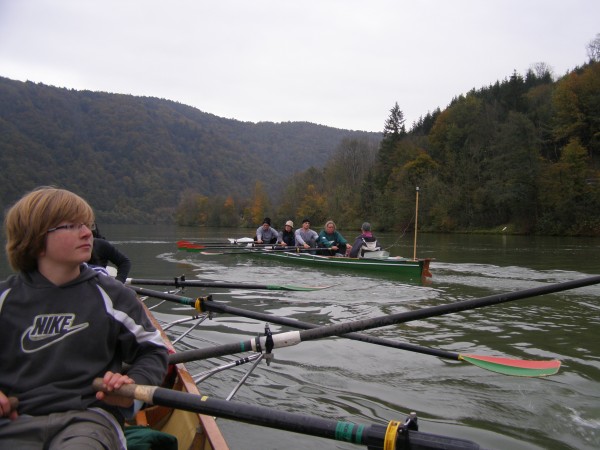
point(135, 391)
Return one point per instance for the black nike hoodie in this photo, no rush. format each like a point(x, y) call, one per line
point(54, 340)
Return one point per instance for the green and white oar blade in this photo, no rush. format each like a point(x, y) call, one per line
point(514, 367)
point(289, 287)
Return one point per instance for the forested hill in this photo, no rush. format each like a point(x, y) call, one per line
point(133, 157)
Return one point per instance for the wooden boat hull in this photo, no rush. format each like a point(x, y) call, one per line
point(193, 431)
point(396, 266)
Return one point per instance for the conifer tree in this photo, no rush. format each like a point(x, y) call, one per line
point(393, 132)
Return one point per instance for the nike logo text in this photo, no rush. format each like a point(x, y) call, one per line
point(48, 329)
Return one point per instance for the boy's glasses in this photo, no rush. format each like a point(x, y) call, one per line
point(73, 227)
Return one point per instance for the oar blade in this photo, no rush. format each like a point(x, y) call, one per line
point(289, 287)
point(189, 246)
point(514, 367)
point(244, 240)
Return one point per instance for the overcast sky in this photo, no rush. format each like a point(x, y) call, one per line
point(341, 63)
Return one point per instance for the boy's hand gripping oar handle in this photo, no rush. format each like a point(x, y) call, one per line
point(135, 391)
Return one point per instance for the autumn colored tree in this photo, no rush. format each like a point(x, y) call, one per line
point(193, 209)
point(314, 206)
point(577, 110)
point(229, 216)
point(295, 193)
point(259, 204)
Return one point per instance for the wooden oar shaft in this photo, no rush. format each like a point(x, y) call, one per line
point(371, 435)
point(416, 224)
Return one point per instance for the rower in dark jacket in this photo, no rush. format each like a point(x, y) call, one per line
point(365, 242)
point(104, 252)
point(287, 236)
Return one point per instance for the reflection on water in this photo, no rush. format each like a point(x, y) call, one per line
point(366, 383)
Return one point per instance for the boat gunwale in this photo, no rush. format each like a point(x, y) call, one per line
point(397, 267)
point(345, 260)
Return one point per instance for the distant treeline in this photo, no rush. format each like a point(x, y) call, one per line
point(521, 155)
point(136, 158)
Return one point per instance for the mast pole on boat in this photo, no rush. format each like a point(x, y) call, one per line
point(416, 222)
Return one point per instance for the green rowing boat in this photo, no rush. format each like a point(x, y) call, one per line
point(404, 267)
point(381, 264)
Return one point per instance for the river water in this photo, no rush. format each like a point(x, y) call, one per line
point(364, 383)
